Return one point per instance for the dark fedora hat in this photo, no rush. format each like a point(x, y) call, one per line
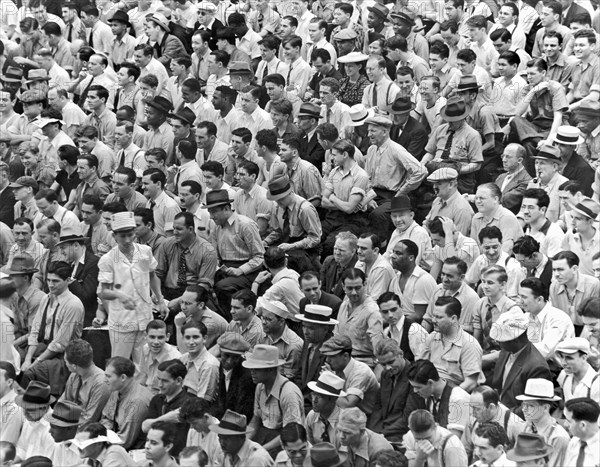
point(71, 238)
point(121, 17)
point(400, 203)
point(13, 75)
point(279, 188)
point(325, 455)
point(401, 16)
point(185, 115)
point(402, 105)
point(37, 394)
point(467, 83)
point(379, 10)
point(310, 109)
point(455, 110)
point(160, 103)
point(529, 446)
point(65, 413)
point(22, 263)
point(216, 198)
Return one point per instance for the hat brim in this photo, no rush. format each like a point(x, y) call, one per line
point(469, 88)
point(512, 456)
point(74, 239)
point(256, 365)
point(182, 118)
point(402, 112)
point(16, 185)
point(524, 397)
point(234, 352)
point(453, 118)
point(580, 140)
point(583, 213)
point(161, 24)
point(158, 107)
point(224, 431)
point(278, 196)
point(345, 59)
point(29, 81)
point(342, 455)
point(56, 422)
point(122, 21)
point(21, 273)
point(6, 79)
point(219, 203)
point(331, 322)
point(312, 385)
point(404, 208)
point(362, 121)
point(25, 405)
point(122, 229)
point(378, 12)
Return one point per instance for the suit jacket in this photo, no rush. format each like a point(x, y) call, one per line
point(313, 152)
point(169, 48)
point(512, 195)
point(85, 286)
point(529, 364)
point(240, 396)
point(574, 10)
point(327, 299)
point(578, 169)
point(387, 417)
point(216, 26)
point(414, 137)
point(7, 205)
point(329, 274)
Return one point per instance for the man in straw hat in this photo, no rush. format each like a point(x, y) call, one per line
point(296, 228)
point(35, 436)
point(583, 238)
point(237, 447)
point(530, 450)
point(536, 403)
point(97, 444)
point(238, 245)
point(574, 167)
point(588, 121)
point(519, 360)
point(392, 170)
point(64, 421)
point(455, 144)
point(272, 412)
point(126, 276)
point(235, 381)
point(322, 420)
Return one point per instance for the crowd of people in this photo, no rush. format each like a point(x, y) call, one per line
point(300, 233)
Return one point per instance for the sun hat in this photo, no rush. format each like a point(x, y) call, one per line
point(263, 356)
point(329, 384)
point(317, 314)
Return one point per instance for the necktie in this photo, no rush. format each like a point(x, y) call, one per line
point(533, 428)
point(177, 177)
point(115, 422)
point(182, 270)
point(84, 94)
point(28, 172)
point(78, 390)
point(374, 94)
point(581, 456)
point(489, 315)
point(23, 209)
point(285, 232)
point(152, 204)
point(434, 408)
point(70, 33)
point(94, 463)
point(287, 81)
point(265, 73)
point(531, 272)
point(91, 40)
point(42, 331)
point(117, 95)
point(325, 436)
point(448, 147)
point(328, 119)
point(122, 157)
point(90, 232)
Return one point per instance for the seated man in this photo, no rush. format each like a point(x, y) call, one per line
point(514, 181)
point(344, 257)
point(128, 403)
point(155, 351)
point(534, 263)
point(323, 419)
point(360, 443)
point(378, 271)
point(533, 210)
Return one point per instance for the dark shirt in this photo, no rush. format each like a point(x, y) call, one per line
point(578, 169)
point(67, 182)
point(315, 81)
point(331, 272)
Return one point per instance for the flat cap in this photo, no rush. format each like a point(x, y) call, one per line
point(232, 342)
point(509, 326)
point(347, 34)
point(379, 120)
point(574, 344)
point(337, 344)
point(445, 173)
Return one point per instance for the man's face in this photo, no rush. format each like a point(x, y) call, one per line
point(6, 103)
point(436, 62)
point(377, 134)
point(239, 312)
point(365, 250)
point(345, 46)
point(342, 252)
point(84, 170)
point(596, 268)
point(167, 385)
point(373, 20)
point(320, 402)
point(114, 381)
point(580, 223)
point(374, 71)
point(122, 137)
point(153, 162)
point(545, 169)
point(548, 18)
point(505, 16)
point(315, 33)
point(140, 59)
point(141, 229)
point(401, 259)
point(122, 76)
point(68, 14)
point(592, 325)
point(466, 68)
point(348, 434)
point(423, 390)
point(154, 117)
point(189, 303)
point(32, 109)
point(86, 145)
point(582, 48)
point(391, 312)
point(155, 448)
point(211, 180)
point(229, 361)
point(35, 414)
point(156, 339)
point(451, 12)
point(278, 118)
point(266, 54)
point(528, 301)
point(193, 340)
point(274, 91)
point(218, 101)
point(491, 285)
point(40, 14)
point(402, 219)
point(272, 324)
point(180, 130)
point(311, 289)
point(286, 153)
point(534, 75)
point(551, 47)
point(451, 277)
point(476, 34)
point(450, 38)
point(533, 410)
point(219, 215)
point(562, 272)
point(573, 362)
point(89, 214)
point(510, 161)
point(117, 28)
point(203, 139)
point(231, 444)
point(501, 46)
point(29, 160)
point(441, 321)
point(339, 17)
point(244, 179)
point(204, 17)
point(180, 231)
point(491, 247)
point(486, 452)
point(188, 198)
point(151, 189)
point(22, 193)
point(198, 45)
point(94, 102)
point(23, 235)
point(406, 83)
point(531, 211)
point(484, 201)
point(95, 65)
point(479, 410)
point(355, 290)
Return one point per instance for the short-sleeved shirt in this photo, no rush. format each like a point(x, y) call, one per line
point(465, 148)
point(360, 381)
point(585, 78)
point(467, 297)
point(417, 290)
point(453, 453)
point(253, 333)
point(344, 185)
point(502, 218)
point(202, 377)
point(283, 404)
point(305, 179)
point(587, 287)
point(457, 208)
point(547, 101)
point(165, 209)
point(363, 325)
point(148, 365)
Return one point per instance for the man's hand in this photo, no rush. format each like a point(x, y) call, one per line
point(179, 319)
point(100, 319)
point(235, 272)
point(262, 277)
point(163, 309)
point(424, 448)
point(448, 225)
point(128, 302)
point(27, 364)
point(286, 246)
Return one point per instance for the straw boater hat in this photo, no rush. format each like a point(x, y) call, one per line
point(538, 389)
point(353, 57)
point(317, 314)
point(359, 114)
point(328, 384)
point(380, 10)
point(568, 135)
point(273, 306)
point(263, 356)
point(232, 424)
point(587, 207)
point(37, 74)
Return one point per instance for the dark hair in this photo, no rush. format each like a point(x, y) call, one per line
point(323, 54)
point(501, 34)
point(94, 429)
point(200, 292)
point(466, 55)
point(459, 263)
point(9, 370)
point(477, 21)
point(101, 91)
point(405, 70)
point(526, 245)
point(188, 219)
point(411, 247)
point(439, 48)
point(246, 296)
point(94, 201)
point(168, 429)
point(488, 394)
point(583, 409)
point(590, 308)
point(188, 149)
point(389, 458)
point(244, 133)
point(7, 287)
point(421, 420)
point(223, 57)
point(583, 18)
point(132, 70)
point(114, 207)
point(51, 28)
point(214, 167)
point(452, 306)
point(250, 167)
point(210, 127)
point(449, 25)
point(156, 324)
point(293, 432)
point(537, 287)
point(328, 132)
point(24, 221)
point(156, 176)
point(146, 214)
point(270, 42)
point(387, 297)
point(493, 432)
point(68, 153)
point(47, 194)
point(490, 232)
point(174, 367)
point(512, 58)
point(538, 63)
point(9, 451)
point(193, 185)
point(195, 325)
point(122, 366)
point(274, 257)
point(588, 34)
point(543, 200)
point(192, 408)
point(293, 141)
point(352, 274)
point(267, 138)
point(308, 275)
point(79, 353)
point(275, 78)
point(128, 172)
point(571, 258)
point(293, 41)
point(347, 8)
point(61, 269)
point(192, 83)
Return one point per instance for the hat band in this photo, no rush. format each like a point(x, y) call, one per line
point(63, 419)
point(587, 210)
point(279, 191)
point(332, 459)
point(566, 139)
point(328, 388)
point(232, 426)
point(316, 317)
point(538, 396)
point(35, 399)
point(362, 118)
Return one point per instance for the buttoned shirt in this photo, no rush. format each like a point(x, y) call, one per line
point(289, 345)
point(186, 172)
point(417, 290)
point(90, 393)
point(12, 418)
point(548, 328)
point(393, 168)
point(26, 308)
point(201, 262)
point(93, 186)
point(106, 123)
point(225, 125)
point(133, 279)
point(258, 120)
point(161, 137)
point(102, 37)
point(455, 359)
point(165, 209)
point(587, 287)
point(590, 148)
point(502, 218)
point(200, 65)
point(551, 241)
point(253, 333)
point(369, 444)
point(283, 404)
point(305, 179)
point(106, 159)
point(35, 439)
point(315, 427)
point(35, 249)
point(508, 93)
point(134, 159)
point(585, 78)
point(239, 240)
point(250, 454)
point(202, 377)
point(363, 324)
point(511, 265)
point(122, 49)
point(215, 326)
point(591, 450)
point(28, 209)
point(415, 233)
point(213, 82)
point(457, 208)
point(252, 202)
point(588, 386)
point(49, 147)
point(298, 76)
point(465, 148)
point(559, 70)
point(467, 297)
point(134, 201)
point(557, 437)
point(101, 239)
point(125, 411)
point(343, 185)
point(64, 321)
point(274, 66)
point(338, 114)
point(149, 362)
point(387, 92)
point(304, 225)
point(417, 336)
point(379, 276)
point(572, 241)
